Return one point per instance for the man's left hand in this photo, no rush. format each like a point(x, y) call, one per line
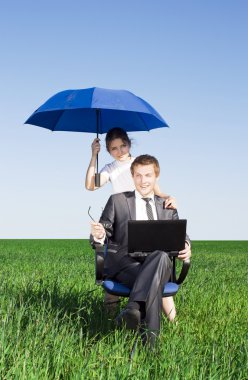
point(185, 254)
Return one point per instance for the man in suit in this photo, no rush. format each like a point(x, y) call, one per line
point(147, 278)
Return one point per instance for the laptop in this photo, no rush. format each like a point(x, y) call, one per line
point(146, 236)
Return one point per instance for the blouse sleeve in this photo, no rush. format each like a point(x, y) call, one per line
point(105, 171)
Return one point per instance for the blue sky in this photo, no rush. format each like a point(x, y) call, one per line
point(187, 58)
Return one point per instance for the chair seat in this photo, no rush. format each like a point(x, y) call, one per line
point(113, 287)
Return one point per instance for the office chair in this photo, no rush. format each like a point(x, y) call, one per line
point(118, 289)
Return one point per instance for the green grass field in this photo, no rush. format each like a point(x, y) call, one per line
point(53, 325)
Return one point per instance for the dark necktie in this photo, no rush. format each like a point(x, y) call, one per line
point(148, 208)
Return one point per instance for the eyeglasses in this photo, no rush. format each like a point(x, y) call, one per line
point(106, 225)
point(90, 215)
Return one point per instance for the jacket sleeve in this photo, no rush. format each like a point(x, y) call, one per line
point(174, 214)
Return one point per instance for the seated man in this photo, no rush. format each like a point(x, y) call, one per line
point(147, 278)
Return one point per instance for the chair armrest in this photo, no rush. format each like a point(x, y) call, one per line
point(184, 272)
point(99, 262)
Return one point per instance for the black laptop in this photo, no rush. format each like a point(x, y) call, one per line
point(146, 236)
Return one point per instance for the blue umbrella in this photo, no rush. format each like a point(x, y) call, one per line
point(96, 110)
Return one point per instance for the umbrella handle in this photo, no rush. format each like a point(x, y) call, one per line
point(97, 179)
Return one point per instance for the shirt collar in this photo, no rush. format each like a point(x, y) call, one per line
point(139, 196)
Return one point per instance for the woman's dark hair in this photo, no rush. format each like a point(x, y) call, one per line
point(117, 133)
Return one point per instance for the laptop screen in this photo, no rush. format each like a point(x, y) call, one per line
point(152, 235)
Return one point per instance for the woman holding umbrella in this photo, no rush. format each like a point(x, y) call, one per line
point(118, 172)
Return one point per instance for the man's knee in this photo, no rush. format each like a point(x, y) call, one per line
point(163, 258)
point(163, 255)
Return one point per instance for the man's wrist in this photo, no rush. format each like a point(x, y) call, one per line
point(100, 240)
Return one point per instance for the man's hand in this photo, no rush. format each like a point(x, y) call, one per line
point(97, 231)
point(185, 254)
point(170, 202)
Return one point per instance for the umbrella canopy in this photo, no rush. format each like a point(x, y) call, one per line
point(96, 110)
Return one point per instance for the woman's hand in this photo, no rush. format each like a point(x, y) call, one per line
point(170, 202)
point(96, 147)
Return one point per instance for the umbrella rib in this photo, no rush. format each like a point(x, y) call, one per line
point(141, 118)
point(59, 117)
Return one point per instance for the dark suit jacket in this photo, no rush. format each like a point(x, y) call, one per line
point(119, 209)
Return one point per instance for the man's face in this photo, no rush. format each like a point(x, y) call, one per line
point(144, 179)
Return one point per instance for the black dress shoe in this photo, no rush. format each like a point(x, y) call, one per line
point(130, 318)
point(148, 337)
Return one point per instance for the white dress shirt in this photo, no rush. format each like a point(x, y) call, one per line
point(140, 205)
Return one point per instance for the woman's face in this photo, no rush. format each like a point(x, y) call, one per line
point(119, 149)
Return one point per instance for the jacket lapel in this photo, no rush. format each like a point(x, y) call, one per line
point(130, 197)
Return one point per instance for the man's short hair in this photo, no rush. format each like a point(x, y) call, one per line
point(145, 159)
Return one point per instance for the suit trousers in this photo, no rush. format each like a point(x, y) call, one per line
point(146, 280)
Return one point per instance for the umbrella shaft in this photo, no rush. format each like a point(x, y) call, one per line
point(97, 132)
